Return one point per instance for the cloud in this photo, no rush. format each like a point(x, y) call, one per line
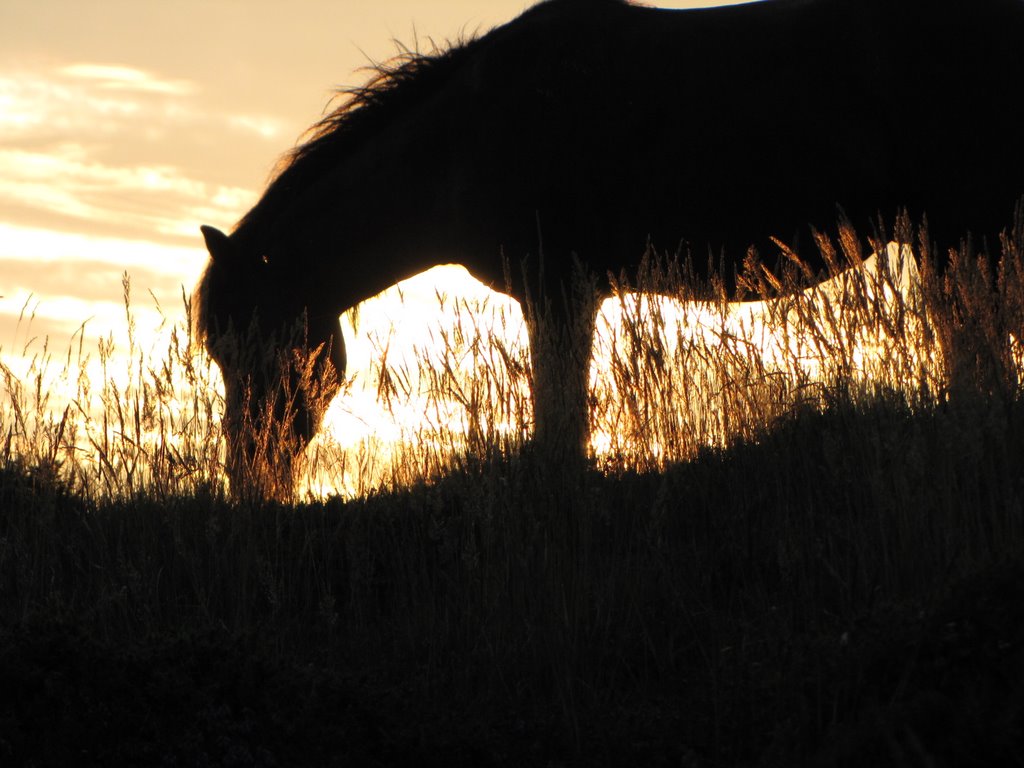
point(98, 99)
point(41, 107)
point(63, 280)
point(94, 104)
point(40, 247)
point(104, 169)
point(160, 199)
point(107, 147)
point(263, 126)
point(116, 77)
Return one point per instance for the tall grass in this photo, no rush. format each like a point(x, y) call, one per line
point(118, 421)
point(774, 517)
point(671, 375)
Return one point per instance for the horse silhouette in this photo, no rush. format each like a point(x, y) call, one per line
point(585, 132)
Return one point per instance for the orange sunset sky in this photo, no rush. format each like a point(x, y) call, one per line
point(124, 125)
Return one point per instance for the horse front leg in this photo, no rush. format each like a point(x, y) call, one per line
point(561, 344)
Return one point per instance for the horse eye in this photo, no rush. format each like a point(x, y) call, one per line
point(265, 259)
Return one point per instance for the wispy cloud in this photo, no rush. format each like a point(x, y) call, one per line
point(64, 181)
point(111, 145)
point(115, 77)
point(107, 168)
point(32, 246)
point(266, 127)
point(65, 279)
point(97, 100)
point(40, 106)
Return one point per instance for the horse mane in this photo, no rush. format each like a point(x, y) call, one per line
point(361, 112)
point(393, 86)
point(399, 81)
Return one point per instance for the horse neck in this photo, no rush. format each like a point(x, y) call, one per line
point(375, 226)
point(346, 255)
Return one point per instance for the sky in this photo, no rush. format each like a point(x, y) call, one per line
point(124, 125)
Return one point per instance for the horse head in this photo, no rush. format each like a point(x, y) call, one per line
point(282, 360)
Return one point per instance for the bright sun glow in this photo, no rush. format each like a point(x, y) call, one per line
point(415, 349)
point(412, 321)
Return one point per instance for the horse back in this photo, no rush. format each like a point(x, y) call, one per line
point(603, 125)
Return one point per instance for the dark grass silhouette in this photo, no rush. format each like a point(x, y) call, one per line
point(726, 612)
point(553, 151)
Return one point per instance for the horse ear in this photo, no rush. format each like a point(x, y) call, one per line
point(218, 244)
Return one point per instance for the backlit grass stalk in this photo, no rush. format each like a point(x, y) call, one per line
point(131, 423)
point(668, 379)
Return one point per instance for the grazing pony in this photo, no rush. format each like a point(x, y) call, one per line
point(585, 132)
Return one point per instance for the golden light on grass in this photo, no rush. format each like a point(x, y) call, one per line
point(668, 378)
point(672, 377)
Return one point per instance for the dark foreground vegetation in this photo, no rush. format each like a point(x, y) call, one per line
point(847, 591)
point(841, 586)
